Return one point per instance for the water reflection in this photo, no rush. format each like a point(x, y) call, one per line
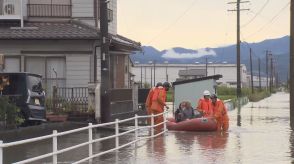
point(214, 140)
point(291, 140)
point(185, 140)
point(239, 113)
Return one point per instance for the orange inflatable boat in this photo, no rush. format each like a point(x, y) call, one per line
point(195, 124)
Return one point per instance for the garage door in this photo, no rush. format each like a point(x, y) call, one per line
point(12, 65)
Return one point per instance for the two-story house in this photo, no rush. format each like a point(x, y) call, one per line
point(58, 39)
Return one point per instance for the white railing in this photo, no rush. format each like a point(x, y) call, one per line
point(90, 141)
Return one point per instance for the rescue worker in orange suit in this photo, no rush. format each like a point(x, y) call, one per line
point(149, 100)
point(158, 103)
point(220, 113)
point(204, 105)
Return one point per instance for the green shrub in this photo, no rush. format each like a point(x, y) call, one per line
point(169, 96)
point(225, 93)
point(258, 95)
point(10, 115)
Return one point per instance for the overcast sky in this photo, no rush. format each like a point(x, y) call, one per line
point(200, 23)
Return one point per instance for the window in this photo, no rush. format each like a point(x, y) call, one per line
point(52, 70)
point(12, 64)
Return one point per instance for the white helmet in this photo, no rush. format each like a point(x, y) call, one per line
point(206, 93)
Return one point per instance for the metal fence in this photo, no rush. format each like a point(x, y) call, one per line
point(55, 152)
point(69, 99)
point(121, 102)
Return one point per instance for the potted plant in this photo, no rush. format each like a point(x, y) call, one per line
point(57, 112)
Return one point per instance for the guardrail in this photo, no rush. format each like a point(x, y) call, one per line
point(90, 141)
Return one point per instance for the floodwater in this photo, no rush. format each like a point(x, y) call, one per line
point(263, 137)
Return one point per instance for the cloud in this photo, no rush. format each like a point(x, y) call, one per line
point(199, 53)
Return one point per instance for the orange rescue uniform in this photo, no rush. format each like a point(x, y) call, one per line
point(221, 115)
point(149, 102)
point(204, 105)
point(157, 105)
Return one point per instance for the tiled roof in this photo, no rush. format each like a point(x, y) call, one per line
point(47, 30)
point(125, 41)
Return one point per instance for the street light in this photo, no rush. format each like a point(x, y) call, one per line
point(141, 83)
point(150, 62)
point(166, 75)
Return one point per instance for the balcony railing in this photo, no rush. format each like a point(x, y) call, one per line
point(49, 10)
point(10, 8)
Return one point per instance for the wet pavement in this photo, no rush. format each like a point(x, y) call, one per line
point(263, 137)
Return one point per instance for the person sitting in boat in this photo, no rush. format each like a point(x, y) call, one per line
point(185, 112)
point(204, 105)
point(220, 113)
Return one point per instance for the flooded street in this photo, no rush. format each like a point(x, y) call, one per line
point(263, 137)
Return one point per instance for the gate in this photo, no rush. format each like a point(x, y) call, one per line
point(69, 99)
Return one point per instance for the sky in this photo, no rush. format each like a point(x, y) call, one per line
point(196, 24)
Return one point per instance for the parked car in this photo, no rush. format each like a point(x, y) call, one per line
point(25, 91)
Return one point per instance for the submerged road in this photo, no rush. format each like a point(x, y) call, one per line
point(263, 137)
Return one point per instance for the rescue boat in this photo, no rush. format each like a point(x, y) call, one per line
point(195, 124)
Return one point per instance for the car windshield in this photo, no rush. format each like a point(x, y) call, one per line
point(34, 83)
point(12, 84)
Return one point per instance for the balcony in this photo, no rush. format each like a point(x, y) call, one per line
point(49, 10)
point(10, 9)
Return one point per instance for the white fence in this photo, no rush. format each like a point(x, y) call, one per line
point(90, 141)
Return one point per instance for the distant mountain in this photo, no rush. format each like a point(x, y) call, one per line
point(279, 47)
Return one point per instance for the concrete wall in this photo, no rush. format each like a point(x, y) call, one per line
point(192, 91)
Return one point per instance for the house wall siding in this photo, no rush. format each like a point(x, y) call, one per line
point(77, 70)
point(82, 8)
point(77, 64)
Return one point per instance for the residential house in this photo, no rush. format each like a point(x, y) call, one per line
point(58, 39)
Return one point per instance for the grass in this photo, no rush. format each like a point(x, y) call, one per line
point(225, 93)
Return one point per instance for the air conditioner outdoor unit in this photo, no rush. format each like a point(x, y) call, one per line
point(8, 9)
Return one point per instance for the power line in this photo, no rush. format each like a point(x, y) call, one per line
point(174, 22)
point(271, 20)
point(261, 9)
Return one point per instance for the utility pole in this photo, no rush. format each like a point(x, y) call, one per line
point(290, 82)
point(266, 67)
point(238, 44)
point(252, 87)
point(206, 66)
point(105, 60)
point(238, 58)
point(259, 74)
point(271, 75)
point(166, 75)
point(154, 73)
point(141, 76)
point(151, 76)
